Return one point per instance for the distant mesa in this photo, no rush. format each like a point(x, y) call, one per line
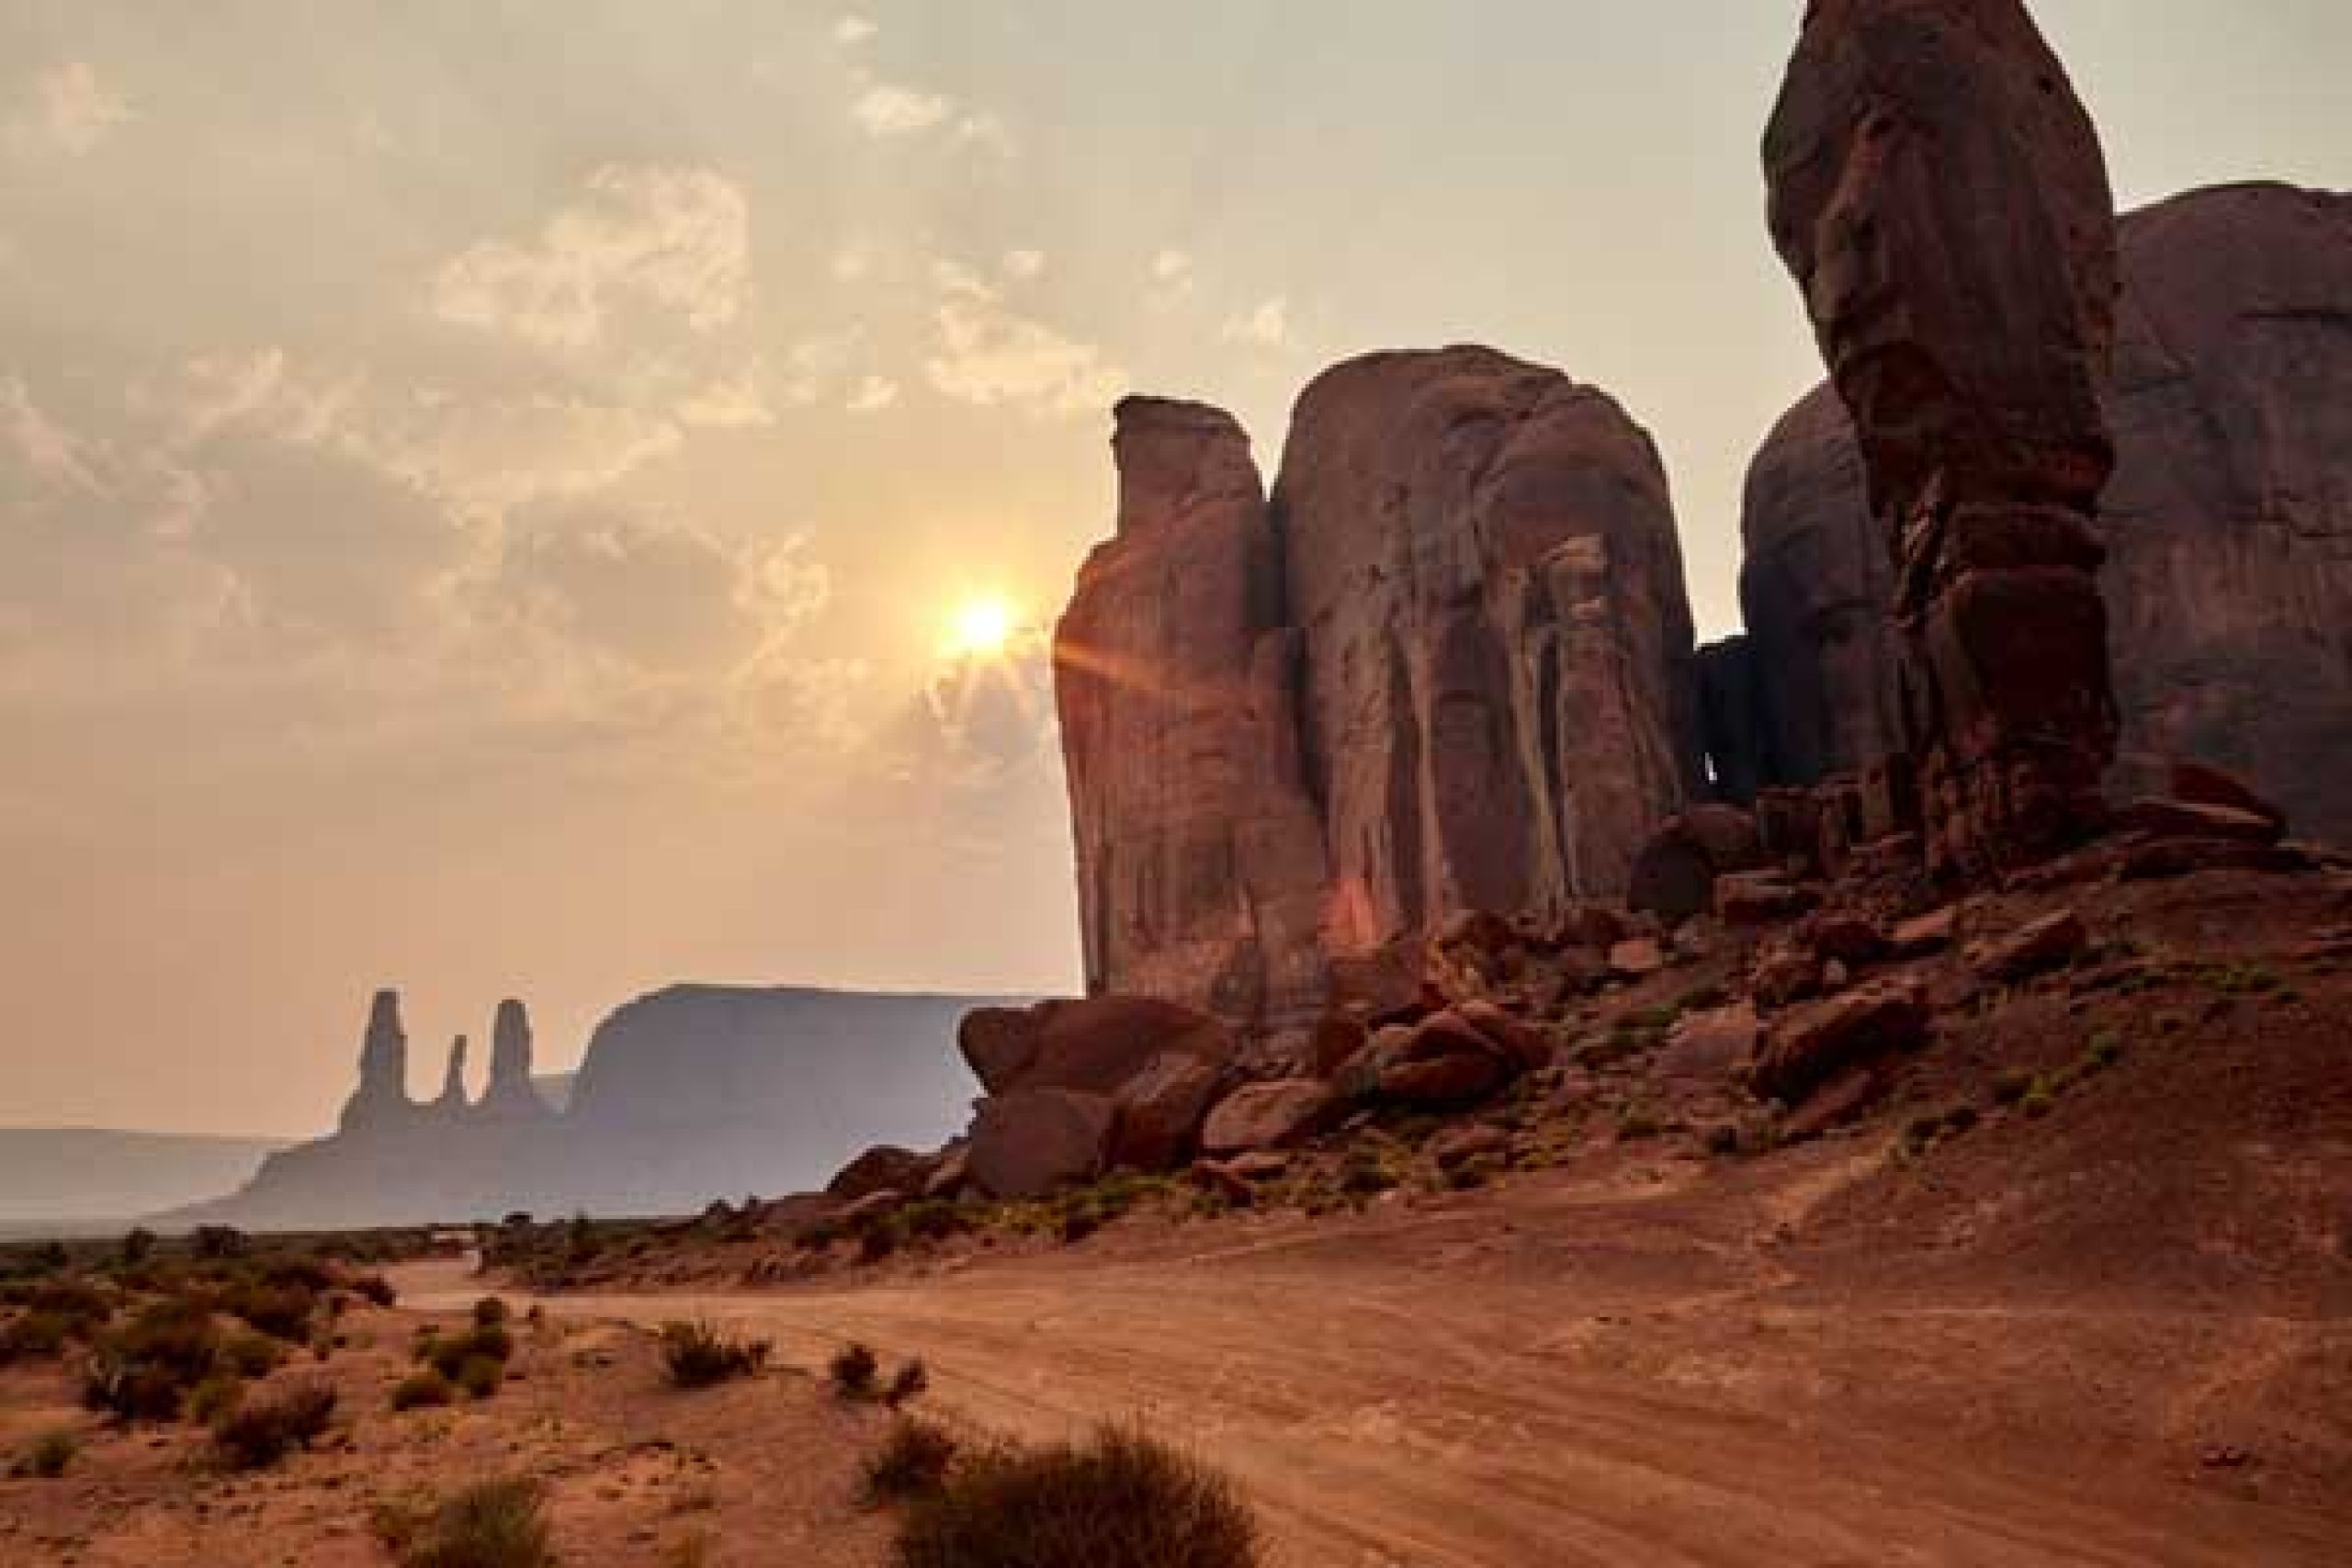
point(688, 1094)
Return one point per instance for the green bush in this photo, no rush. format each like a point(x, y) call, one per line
point(912, 1462)
point(421, 1389)
point(448, 1357)
point(491, 1311)
point(252, 1354)
point(481, 1376)
point(697, 1355)
point(34, 1334)
point(259, 1432)
point(492, 1523)
point(1120, 1500)
point(47, 1456)
point(281, 1310)
point(142, 1369)
point(375, 1290)
point(214, 1398)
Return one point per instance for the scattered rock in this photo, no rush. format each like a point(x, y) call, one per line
point(1844, 1097)
point(2202, 784)
point(1783, 976)
point(1459, 1145)
point(1808, 1045)
point(2032, 948)
point(1852, 940)
point(1923, 935)
point(1029, 1142)
point(2186, 819)
point(883, 1167)
point(1710, 1044)
point(1527, 1046)
point(1268, 1116)
point(1463, 1079)
point(1759, 897)
point(1162, 1108)
point(1636, 958)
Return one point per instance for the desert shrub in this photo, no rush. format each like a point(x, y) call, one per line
point(878, 1238)
point(2040, 1099)
point(214, 1242)
point(1119, 1500)
point(854, 1371)
point(912, 1462)
point(375, 1290)
point(1080, 1220)
point(909, 1381)
point(1364, 1174)
point(492, 1523)
point(142, 1369)
point(282, 1311)
point(46, 1457)
point(2106, 1049)
point(2012, 1085)
point(449, 1356)
point(421, 1388)
point(214, 1398)
point(137, 1246)
point(281, 1270)
point(84, 1303)
point(491, 1311)
point(697, 1355)
point(261, 1430)
point(251, 1355)
point(1636, 1123)
point(934, 1219)
point(34, 1334)
point(481, 1376)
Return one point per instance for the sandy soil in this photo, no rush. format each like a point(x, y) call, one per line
point(637, 1474)
point(1635, 1363)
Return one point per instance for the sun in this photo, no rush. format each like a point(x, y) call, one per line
point(982, 626)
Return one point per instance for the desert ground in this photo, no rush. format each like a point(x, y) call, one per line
point(1642, 1363)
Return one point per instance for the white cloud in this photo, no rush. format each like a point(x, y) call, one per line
point(874, 394)
point(1268, 326)
point(851, 31)
point(1022, 264)
point(987, 132)
point(675, 240)
point(884, 109)
point(72, 110)
point(54, 453)
point(989, 355)
point(728, 403)
point(816, 365)
point(1171, 280)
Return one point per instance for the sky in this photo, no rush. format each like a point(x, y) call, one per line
point(485, 487)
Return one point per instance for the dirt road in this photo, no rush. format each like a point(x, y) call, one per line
point(1633, 1370)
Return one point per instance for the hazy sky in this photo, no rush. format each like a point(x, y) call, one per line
point(482, 484)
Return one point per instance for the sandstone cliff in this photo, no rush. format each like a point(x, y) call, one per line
point(2228, 522)
point(1448, 667)
point(1200, 858)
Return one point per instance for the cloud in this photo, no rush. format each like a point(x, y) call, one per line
point(874, 394)
point(669, 239)
point(46, 448)
point(72, 110)
point(852, 31)
point(1171, 280)
point(726, 403)
point(1022, 264)
point(987, 132)
point(1268, 326)
point(885, 110)
point(989, 355)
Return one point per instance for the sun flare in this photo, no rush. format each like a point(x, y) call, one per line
point(981, 627)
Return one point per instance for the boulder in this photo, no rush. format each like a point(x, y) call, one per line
point(1463, 1079)
point(1675, 875)
point(1160, 1111)
point(953, 1169)
point(1837, 1103)
point(1782, 976)
point(2202, 784)
point(1268, 1116)
point(882, 1167)
point(2038, 946)
point(2189, 820)
point(1922, 935)
point(1337, 1036)
point(1636, 958)
point(1940, 195)
point(1026, 1142)
point(1708, 1046)
point(1096, 1044)
point(1808, 1045)
point(1759, 897)
point(1850, 939)
point(1458, 1146)
point(1526, 1046)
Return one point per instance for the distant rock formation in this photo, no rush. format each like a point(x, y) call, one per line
point(1939, 195)
point(2227, 526)
point(1448, 667)
point(382, 1094)
point(453, 1081)
point(690, 1094)
point(509, 1094)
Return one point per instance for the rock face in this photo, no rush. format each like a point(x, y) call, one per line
point(510, 1094)
point(1448, 668)
point(453, 1079)
point(1200, 858)
point(1939, 195)
point(382, 1094)
point(1499, 696)
point(2228, 522)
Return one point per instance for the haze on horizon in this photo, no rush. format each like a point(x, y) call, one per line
point(490, 501)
